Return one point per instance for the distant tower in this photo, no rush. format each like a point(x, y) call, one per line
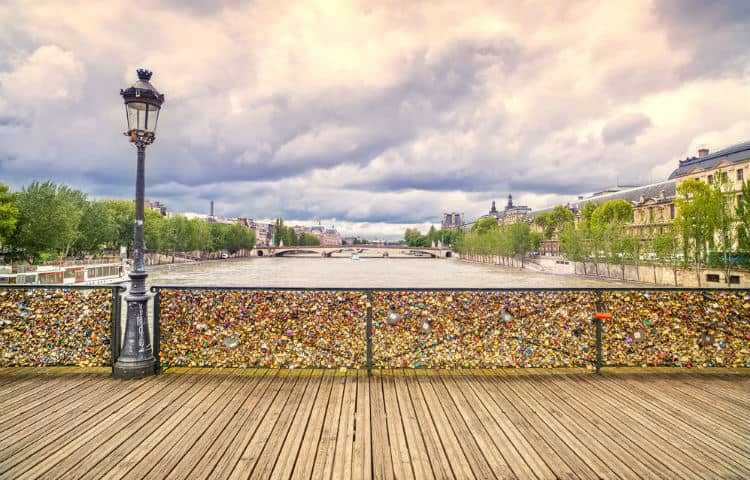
point(493, 210)
point(510, 201)
point(212, 209)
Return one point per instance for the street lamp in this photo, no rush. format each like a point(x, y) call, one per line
point(142, 105)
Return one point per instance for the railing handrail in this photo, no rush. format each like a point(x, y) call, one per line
point(156, 288)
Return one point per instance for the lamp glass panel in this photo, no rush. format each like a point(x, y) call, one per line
point(153, 118)
point(136, 115)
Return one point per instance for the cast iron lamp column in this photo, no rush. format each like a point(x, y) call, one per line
point(142, 106)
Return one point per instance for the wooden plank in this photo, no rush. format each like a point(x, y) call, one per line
point(82, 417)
point(634, 425)
point(312, 443)
point(36, 393)
point(362, 452)
point(345, 438)
point(470, 426)
point(705, 452)
point(731, 389)
point(324, 459)
point(579, 414)
point(44, 411)
point(399, 446)
point(257, 413)
point(597, 456)
point(291, 453)
point(698, 420)
point(101, 425)
point(382, 465)
point(442, 421)
point(420, 460)
point(529, 446)
point(441, 465)
point(96, 452)
point(19, 389)
point(714, 405)
point(208, 435)
point(26, 441)
point(272, 430)
point(160, 440)
point(186, 434)
point(254, 387)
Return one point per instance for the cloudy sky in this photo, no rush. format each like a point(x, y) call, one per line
point(376, 115)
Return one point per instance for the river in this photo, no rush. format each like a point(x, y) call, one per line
point(368, 272)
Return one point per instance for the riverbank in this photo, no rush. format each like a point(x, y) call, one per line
point(642, 274)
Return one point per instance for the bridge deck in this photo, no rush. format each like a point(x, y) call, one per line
point(194, 424)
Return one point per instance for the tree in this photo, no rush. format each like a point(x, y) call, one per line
point(8, 213)
point(743, 218)
point(693, 221)
point(519, 234)
point(48, 220)
point(122, 213)
point(724, 221)
point(553, 221)
point(667, 248)
point(97, 228)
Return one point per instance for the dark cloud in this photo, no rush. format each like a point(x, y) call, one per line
point(714, 33)
point(625, 128)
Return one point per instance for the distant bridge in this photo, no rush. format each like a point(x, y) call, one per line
point(385, 251)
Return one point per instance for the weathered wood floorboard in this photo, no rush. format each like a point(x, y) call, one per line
point(203, 423)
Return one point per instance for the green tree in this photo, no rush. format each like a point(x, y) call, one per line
point(694, 223)
point(97, 228)
point(743, 218)
point(48, 220)
point(520, 239)
point(667, 249)
point(8, 213)
point(122, 213)
point(153, 231)
point(724, 221)
point(553, 221)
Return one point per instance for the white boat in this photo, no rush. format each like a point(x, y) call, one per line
point(83, 272)
point(355, 256)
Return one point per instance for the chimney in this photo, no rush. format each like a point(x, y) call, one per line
point(702, 152)
point(643, 198)
point(212, 208)
point(662, 194)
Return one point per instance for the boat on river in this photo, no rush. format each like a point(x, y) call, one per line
point(77, 272)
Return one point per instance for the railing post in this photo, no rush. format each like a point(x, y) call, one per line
point(157, 330)
point(368, 334)
point(115, 325)
point(598, 323)
point(598, 316)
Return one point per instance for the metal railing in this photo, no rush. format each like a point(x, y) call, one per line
point(450, 328)
point(45, 325)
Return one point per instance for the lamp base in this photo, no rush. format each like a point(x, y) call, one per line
point(127, 370)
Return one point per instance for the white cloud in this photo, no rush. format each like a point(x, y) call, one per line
point(380, 112)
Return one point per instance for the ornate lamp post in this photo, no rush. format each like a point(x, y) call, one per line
point(142, 105)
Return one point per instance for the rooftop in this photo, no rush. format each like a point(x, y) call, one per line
point(736, 153)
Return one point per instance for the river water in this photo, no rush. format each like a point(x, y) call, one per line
point(368, 272)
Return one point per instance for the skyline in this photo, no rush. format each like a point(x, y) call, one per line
point(378, 116)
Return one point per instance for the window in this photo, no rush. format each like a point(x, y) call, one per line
point(712, 277)
point(734, 279)
point(740, 175)
point(724, 176)
point(671, 211)
point(710, 179)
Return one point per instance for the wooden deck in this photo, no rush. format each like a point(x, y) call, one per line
point(188, 423)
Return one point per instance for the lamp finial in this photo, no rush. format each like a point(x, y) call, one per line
point(144, 74)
